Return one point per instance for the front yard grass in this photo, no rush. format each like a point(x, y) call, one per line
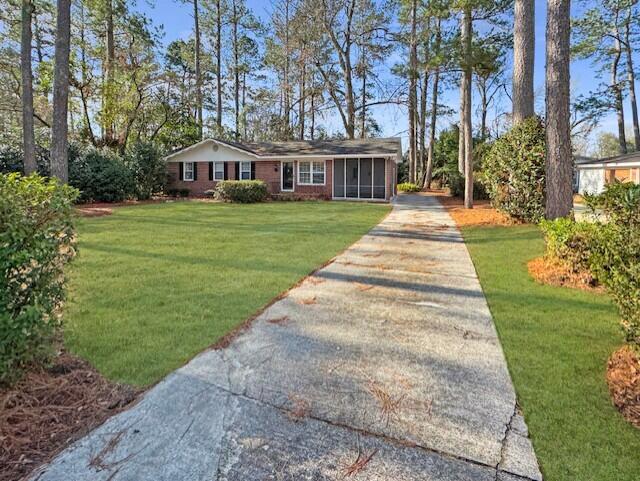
point(557, 342)
point(153, 285)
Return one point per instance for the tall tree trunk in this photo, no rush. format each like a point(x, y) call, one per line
point(631, 78)
point(363, 115)
point(28, 136)
point(468, 131)
point(59, 128)
point(432, 129)
point(523, 59)
point(617, 89)
point(286, 73)
point(484, 107)
point(83, 73)
point(109, 100)
point(559, 161)
point(218, 54)
point(196, 23)
point(422, 121)
point(463, 100)
point(434, 111)
point(413, 85)
point(303, 96)
point(236, 70)
point(312, 127)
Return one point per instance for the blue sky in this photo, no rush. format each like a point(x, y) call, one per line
point(177, 21)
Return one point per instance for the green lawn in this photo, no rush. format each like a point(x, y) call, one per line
point(154, 285)
point(557, 342)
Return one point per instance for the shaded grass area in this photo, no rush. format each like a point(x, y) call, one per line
point(155, 284)
point(557, 342)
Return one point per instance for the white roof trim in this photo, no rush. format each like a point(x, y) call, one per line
point(609, 165)
point(206, 141)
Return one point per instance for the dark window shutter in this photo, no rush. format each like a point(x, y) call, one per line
point(195, 171)
point(226, 171)
point(181, 168)
point(210, 170)
point(253, 171)
point(237, 170)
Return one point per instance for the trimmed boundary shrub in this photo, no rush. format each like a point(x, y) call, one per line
point(408, 187)
point(37, 239)
point(242, 191)
point(610, 251)
point(101, 176)
point(513, 171)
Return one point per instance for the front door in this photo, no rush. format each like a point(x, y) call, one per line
point(287, 176)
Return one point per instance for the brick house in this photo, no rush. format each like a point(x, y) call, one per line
point(363, 169)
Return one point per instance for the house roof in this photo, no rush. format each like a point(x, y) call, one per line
point(624, 160)
point(390, 146)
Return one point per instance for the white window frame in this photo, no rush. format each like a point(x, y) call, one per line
point(184, 171)
point(215, 171)
point(312, 164)
point(243, 170)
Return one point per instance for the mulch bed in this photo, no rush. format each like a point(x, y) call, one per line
point(556, 273)
point(51, 407)
point(481, 214)
point(623, 377)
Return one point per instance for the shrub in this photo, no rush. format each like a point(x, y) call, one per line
point(408, 187)
point(616, 259)
point(12, 160)
point(36, 240)
point(513, 171)
point(571, 242)
point(184, 192)
point(101, 176)
point(244, 191)
point(148, 168)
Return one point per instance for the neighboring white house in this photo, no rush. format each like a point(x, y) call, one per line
point(593, 174)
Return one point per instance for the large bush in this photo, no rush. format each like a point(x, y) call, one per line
point(609, 250)
point(12, 160)
point(148, 168)
point(101, 176)
point(36, 240)
point(616, 259)
point(513, 171)
point(243, 191)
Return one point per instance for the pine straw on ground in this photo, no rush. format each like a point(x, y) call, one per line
point(554, 272)
point(623, 377)
point(51, 407)
point(481, 214)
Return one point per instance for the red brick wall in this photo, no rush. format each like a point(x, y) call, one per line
point(269, 171)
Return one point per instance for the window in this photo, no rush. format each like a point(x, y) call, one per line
point(245, 170)
point(311, 173)
point(218, 171)
point(188, 171)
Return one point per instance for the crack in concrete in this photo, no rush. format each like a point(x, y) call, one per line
point(503, 444)
point(385, 438)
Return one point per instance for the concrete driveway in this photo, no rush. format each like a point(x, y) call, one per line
point(384, 365)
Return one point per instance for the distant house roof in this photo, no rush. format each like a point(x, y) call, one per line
point(624, 160)
point(386, 147)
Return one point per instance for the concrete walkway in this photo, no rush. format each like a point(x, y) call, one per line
point(384, 365)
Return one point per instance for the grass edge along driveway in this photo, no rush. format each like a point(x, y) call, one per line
point(557, 342)
point(154, 285)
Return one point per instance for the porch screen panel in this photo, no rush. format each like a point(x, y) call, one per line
point(378, 178)
point(352, 178)
point(338, 177)
point(366, 177)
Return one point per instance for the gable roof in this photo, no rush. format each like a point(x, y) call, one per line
point(632, 160)
point(390, 146)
